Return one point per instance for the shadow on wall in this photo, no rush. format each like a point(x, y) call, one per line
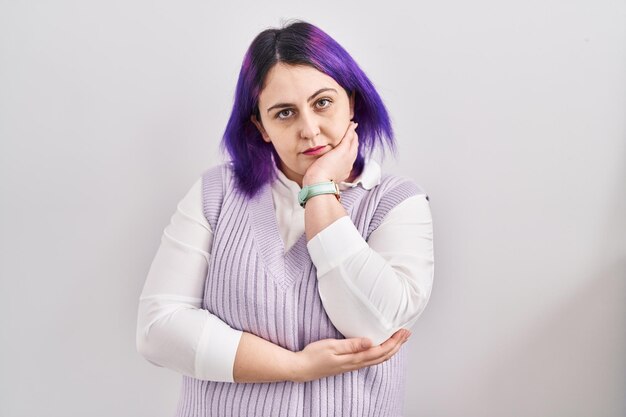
point(573, 362)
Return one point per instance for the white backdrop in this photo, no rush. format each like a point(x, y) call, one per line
point(511, 117)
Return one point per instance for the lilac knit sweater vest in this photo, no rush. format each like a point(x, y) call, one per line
point(254, 286)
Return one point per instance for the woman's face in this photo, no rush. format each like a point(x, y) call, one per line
point(302, 108)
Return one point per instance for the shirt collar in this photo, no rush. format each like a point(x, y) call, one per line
point(369, 178)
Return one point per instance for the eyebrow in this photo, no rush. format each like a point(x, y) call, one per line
point(321, 90)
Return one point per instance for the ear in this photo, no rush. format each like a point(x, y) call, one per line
point(259, 126)
point(352, 105)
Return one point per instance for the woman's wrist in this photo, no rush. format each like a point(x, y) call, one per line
point(294, 367)
point(259, 360)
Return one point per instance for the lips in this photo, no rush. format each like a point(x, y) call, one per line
point(314, 151)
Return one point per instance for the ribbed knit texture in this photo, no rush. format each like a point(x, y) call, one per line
point(254, 286)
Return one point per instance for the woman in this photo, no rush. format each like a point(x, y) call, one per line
point(288, 278)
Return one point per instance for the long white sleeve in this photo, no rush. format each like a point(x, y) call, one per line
point(372, 289)
point(173, 331)
point(395, 271)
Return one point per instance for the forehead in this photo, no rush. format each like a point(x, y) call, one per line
point(293, 83)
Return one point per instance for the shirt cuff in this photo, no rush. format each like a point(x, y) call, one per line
point(334, 244)
point(215, 357)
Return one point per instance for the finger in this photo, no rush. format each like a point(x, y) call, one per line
point(355, 135)
point(374, 355)
point(355, 143)
point(349, 139)
point(347, 134)
point(354, 345)
point(376, 352)
point(393, 346)
point(387, 356)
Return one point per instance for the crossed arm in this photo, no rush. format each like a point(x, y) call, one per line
point(173, 331)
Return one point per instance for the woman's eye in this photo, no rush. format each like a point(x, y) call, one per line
point(278, 115)
point(326, 100)
point(285, 114)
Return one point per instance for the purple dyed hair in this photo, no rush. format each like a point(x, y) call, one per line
point(299, 43)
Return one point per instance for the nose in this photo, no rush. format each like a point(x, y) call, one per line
point(309, 127)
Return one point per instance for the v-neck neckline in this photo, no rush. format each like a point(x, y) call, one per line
point(284, 267)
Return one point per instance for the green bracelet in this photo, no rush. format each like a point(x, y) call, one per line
point(312, 190)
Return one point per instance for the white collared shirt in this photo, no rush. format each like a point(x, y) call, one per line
point(368, 289)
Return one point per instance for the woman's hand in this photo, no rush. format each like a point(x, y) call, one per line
point(329, 357)
point(337, 163)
